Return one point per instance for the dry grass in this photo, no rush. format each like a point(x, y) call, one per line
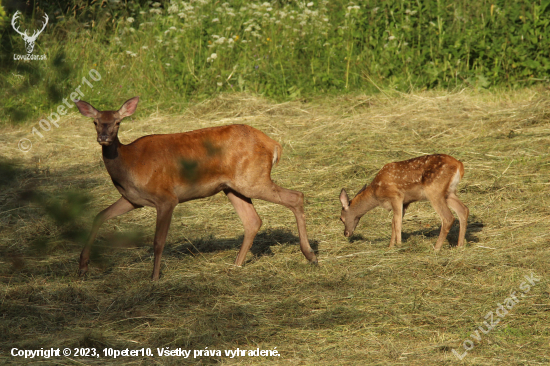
point(364, 304)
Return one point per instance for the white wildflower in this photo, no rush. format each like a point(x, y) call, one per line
point(310, 4)
point(215, 20)
point(220, 83)
point(156, 5)
point(391, 38)
point(130, 20)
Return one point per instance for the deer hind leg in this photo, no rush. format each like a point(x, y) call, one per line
point(116, 209)
point(462, 212)
point(250, 219)
point(164, 217)
point(294, 200)
point(439, 203)
point(396, 223)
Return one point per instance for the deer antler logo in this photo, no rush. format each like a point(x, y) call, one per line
point(29, 40)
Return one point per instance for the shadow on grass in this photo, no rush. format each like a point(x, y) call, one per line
point(433, 232)
point(452, 237)
point(261, 246)
point(41, 215)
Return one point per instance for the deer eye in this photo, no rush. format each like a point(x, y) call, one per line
point(95, 123)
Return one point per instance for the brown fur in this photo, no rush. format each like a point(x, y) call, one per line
point(398, 184)
point(163, 170)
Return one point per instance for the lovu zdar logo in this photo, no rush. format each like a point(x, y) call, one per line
point(29, 40)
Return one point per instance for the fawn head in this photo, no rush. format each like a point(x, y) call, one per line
point(349, 218)
point(107, 122)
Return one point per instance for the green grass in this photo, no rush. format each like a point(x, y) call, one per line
point(173, 52)
point(364, 303)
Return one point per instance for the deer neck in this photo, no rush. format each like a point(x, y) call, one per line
point(363, 202)
point(113, 161)
point(111, 152)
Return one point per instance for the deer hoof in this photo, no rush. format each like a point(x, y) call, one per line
point(82, 271)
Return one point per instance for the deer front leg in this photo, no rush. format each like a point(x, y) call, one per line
point(164, 217)
point(116, 209)
point(396, 224)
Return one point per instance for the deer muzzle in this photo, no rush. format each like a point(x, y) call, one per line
point(104, 140)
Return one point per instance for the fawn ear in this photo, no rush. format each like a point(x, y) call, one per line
point(344, 199)
point(128, 108)
point(86, 109)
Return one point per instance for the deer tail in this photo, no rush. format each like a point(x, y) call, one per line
point(277, 151)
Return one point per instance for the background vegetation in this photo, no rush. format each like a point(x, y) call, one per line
point(172, 52)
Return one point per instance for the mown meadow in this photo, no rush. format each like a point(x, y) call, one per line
point(345, 87)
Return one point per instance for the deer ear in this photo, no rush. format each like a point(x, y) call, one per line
point(86, 109)
point(128, 108)
point(344, 199)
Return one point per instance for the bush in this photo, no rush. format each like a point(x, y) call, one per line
point(170, 52)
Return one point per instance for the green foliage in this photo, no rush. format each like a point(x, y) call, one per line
point(172, 51)
point(3, 17)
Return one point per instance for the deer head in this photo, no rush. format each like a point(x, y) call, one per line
point(107, 122)
point(29, 40)
point(349, 217)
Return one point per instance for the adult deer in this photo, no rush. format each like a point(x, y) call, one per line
point(163, 170)
point(431, 177)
